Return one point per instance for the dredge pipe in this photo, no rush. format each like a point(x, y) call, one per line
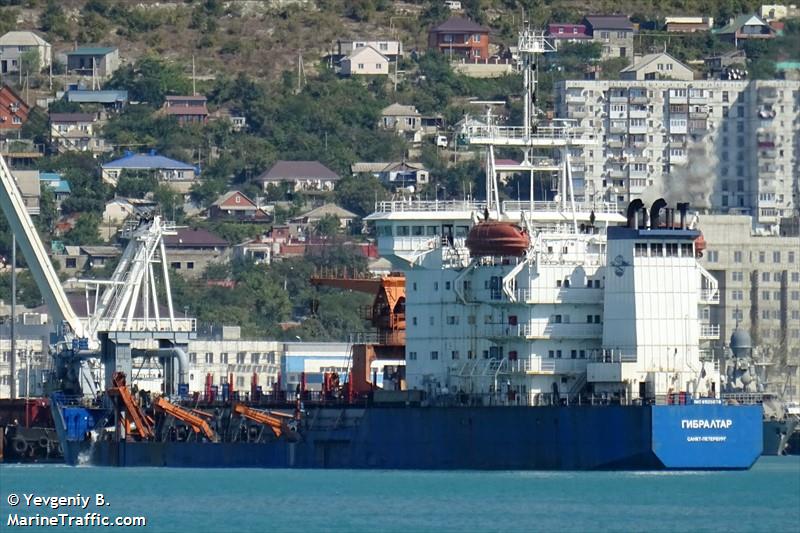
point(164, 353)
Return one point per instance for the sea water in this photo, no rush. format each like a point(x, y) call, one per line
point(765, 498)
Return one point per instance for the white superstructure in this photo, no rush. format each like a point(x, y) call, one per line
point(593, 309)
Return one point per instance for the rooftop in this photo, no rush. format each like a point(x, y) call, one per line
point(97, 97)
point(147, 161)
point(399, 110)
point(92, 51)
point(178, 98)
point(21, 38)
point(194, 238)
point(743, 20)
point(641, 62)
point(328, 209)
point(459, 24)
point(296, 170)
point(609, 22)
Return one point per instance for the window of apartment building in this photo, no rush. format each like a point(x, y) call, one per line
point(740, 111)
point(255, 358)
point(240, 358)
point(223, 358)
point(737, 314)
point(192, 357)
point(776, 276)
point(790, 257)
point(239, 382)
point(765, 314)
point(765, 295)
point(737, 256)
point(176, 265)
point(434, 355)
point(765, 276)
point(725, 114)
point(737, 275)
point(776, 314)
point(795, 314)
point(795, 296)
point(795, 277)
point(762, 257)
point(209, 358)
point(713, 256)
point(737, 295)
point(776, 256)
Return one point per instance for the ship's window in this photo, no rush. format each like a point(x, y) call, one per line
point(589, 319)
point(471, 319)
point(558, 354)
point(436, 285)
point(418, 231)
point(558, 283)
point(566, 283)
point(582, 354)
point(454, 355)
point(512, 320)
point(470, 354)
point(596, 319)
point(656, 250)
point(573, 354)
point(640, 249)
point(447, 285)
point(461, 231)
point(433, 230)
point(412, 356)
point(486, 354)
point(414, 286)
point(430, 320)
point(550, 354)
point(402, 231)
point(597, 284)
point(414, 321)
point(384, 231)
point(672, 249)
point(588, 284)
point(467, 285)
point(686, 250)
point(557, 319)
point(434, 355)
point(452, 320)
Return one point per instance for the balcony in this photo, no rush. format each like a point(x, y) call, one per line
point(639, 129)
point(709, 331)
point(618, 127)
point(615, 143)
point(638, 98)
point(709, 296)
point(575, 99)
point(637, 113)
point(577, 295)
point(617, 173)
point(533, 365)
point(618, 99)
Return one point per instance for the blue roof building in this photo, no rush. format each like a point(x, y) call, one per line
point(177, 174)
point(109, 98)
point(57, 184)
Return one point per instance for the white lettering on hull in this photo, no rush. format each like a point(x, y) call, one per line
point(706, 424)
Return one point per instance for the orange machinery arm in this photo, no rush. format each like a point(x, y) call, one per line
point(370, 286)
point(271, 420)
point(197, 423)
point(142, 422)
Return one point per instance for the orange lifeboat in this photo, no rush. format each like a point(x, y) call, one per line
point(699, 245)
point(495, 238)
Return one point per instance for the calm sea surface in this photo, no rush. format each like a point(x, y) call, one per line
point(766, 498)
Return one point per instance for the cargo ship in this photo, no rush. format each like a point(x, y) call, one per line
point(544, 334)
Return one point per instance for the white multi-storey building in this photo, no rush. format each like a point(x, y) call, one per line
point(731, 145)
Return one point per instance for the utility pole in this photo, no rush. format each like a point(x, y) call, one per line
point(13, 360)
point(194, 79)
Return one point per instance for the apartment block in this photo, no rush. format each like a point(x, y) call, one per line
point(733, 145)
point(759, 286)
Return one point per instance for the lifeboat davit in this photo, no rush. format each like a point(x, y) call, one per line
point(699, 245)
point(495, 238)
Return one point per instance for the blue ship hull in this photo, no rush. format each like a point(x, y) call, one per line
point(487, 438)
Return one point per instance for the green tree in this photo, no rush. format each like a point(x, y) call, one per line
point(328, 225)
point(359, 193)
point(30, 62)
point(149, 80)
point(53, 20)
point(85, 232)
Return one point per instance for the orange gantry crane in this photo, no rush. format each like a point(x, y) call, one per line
point(388, 316)
point(129, 414)
point(273, 420)
point(197, 423)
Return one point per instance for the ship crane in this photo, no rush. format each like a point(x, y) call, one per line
point(125, 306)
point(134, 420)
point(277, 422)
point(387, 314)
point(197, 423)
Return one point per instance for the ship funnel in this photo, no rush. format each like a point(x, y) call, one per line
point(655, 211)
point(683, 207)
point(633, 209)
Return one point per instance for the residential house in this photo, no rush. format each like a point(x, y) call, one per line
point(688, 24)
point(558, 32)
point(365, 61)
point(389, 48)
point(13, 109)
point(112, 99)
point(401, 118)
point(28, 183)
point(100, 62)
point(177, 175)
point(268, 247)
point(75, 259)
point(770, 12)
point(397, 175)
point(613, 32)
point(660, 66)
point(16, 43)
point(76, 132)
point(191, 250)
point(717, 65)
point(745, 27)
point(306, 176)
point(310, 218)
point(460, 38)
point(238, 207)
point(57, 184)
point(187, 109)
